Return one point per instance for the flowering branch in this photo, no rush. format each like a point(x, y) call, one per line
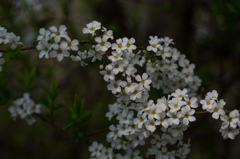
point(137, 115)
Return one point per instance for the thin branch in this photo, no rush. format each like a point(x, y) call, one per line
point(80, 43)
point(202, 112)
point(24, 48)
point(52, 124)
point(97, 132)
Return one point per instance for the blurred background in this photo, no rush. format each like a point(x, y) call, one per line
point(208, 32)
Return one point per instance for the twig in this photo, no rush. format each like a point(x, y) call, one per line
point(202, 112)
point(52, 124)
point(97, 132)
point(24, 48)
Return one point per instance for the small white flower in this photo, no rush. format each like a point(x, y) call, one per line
point(59, 52)
point(114, 86)
point(144, 81)
point(44, 47)
point(95, 149)
point(120, 45)
point(229, 132)
point(187, 113)
point(103, 44)
point(44, 34)
point(154, 44)
point(70, 45)
point(58, 33)
point(129, 44)
point(91, 28)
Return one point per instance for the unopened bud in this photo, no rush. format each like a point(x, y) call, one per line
point(101, 66)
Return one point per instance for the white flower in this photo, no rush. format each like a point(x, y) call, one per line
point(162, 103)
point(163, 51)
point(108, 73)
point(114, 86)
point(174, 117)
point(167, 41)
point(217, 109)
point(113, 134)
point(95, 54)
point(106, 153)
point(140, 120)
point(125, 117)
point(187, 113)
point(14, 41)
point(80, 57)
point(44, 34)
point(130, 42)
point(192, 102)
point(175, 104)
point(144, 81)
point(154, 112)
point(123, 130)
point(137, 93)
point(229, 132)
point(187, 67)
point(128, 85)
point(117, 66)
point(163, 120)
point(91, 28)
point(115, 56)
point(180, 93)
point(230, 120)
point(132, 154)
point(44, 47)
point(58, 33)
point(103, 44)
point(108, 33)
point(213, 95)
point(151, 125)
point(154, 44)
point(95, 149)
point(71, 45)
point(207, 104)
point(120, 45)
point(4, 36)
point(59, 52)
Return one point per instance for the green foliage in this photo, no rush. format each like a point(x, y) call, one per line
point(13, 54)
point(5, 94)
point(26, 81)
point(78, 119)
point(50, 101)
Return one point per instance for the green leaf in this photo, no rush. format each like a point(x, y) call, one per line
point(69, 123)
point(77, 110)
point(44, 102)
point(54, 90)
point(26, 81)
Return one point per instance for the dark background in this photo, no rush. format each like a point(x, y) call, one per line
point(206, 31)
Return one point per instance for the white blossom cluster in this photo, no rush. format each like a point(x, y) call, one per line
point(138, 116)
point(230, 122)
point(7, 38)
point(99, 48)
point(160, 124)
point(171, 70)
point(24, 108)
point(100, 152)
point(55, 43)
